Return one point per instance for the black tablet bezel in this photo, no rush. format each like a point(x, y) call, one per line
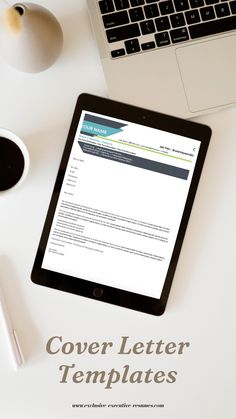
point(98, 291)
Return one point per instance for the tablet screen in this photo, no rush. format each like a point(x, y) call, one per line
point(121, 204)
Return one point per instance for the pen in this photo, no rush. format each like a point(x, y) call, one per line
point(10, 333)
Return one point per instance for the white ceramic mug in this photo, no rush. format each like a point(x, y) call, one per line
point(8, 135)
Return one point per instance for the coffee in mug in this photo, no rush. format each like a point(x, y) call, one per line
point(14, 160)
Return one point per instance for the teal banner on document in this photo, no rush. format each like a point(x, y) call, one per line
point(93, 128)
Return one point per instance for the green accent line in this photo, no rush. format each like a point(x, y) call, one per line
point(143, 148)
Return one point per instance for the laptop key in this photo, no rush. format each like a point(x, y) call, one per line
point(123, 32)
point(192, 16)
point(132, 46)
point(135, 3)
point(106, 6)
point(162, 23)
point(177, 20)
point(181, 5)
point(166, 7)
point(179, 35)
point(121, 4)
point(211, 1)
point(147, 27)
point(222, 10)
point(115, 19)
point(117, 52)
point(213, 27)
point(162, 39)
point(233, 6)
point(148, 45)
point(207, 13)
point(196, 3)
point(136, 14)
point(151, 11)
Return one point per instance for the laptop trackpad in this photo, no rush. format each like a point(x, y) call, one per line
point(208, 71)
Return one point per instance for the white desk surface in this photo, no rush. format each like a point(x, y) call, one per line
point(201, 307)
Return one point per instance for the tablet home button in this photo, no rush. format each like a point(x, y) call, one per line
point(98, 292)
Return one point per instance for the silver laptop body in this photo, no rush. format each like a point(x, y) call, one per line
point(172, 56)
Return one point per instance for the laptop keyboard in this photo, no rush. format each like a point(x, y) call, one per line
point(133, 26)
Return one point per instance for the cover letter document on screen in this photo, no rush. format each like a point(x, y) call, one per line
point(121, 204)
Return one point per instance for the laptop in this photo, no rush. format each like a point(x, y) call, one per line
point(172, 56)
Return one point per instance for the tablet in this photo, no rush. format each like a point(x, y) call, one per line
point(121, 204)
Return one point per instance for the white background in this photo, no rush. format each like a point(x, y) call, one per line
point(201, 307)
